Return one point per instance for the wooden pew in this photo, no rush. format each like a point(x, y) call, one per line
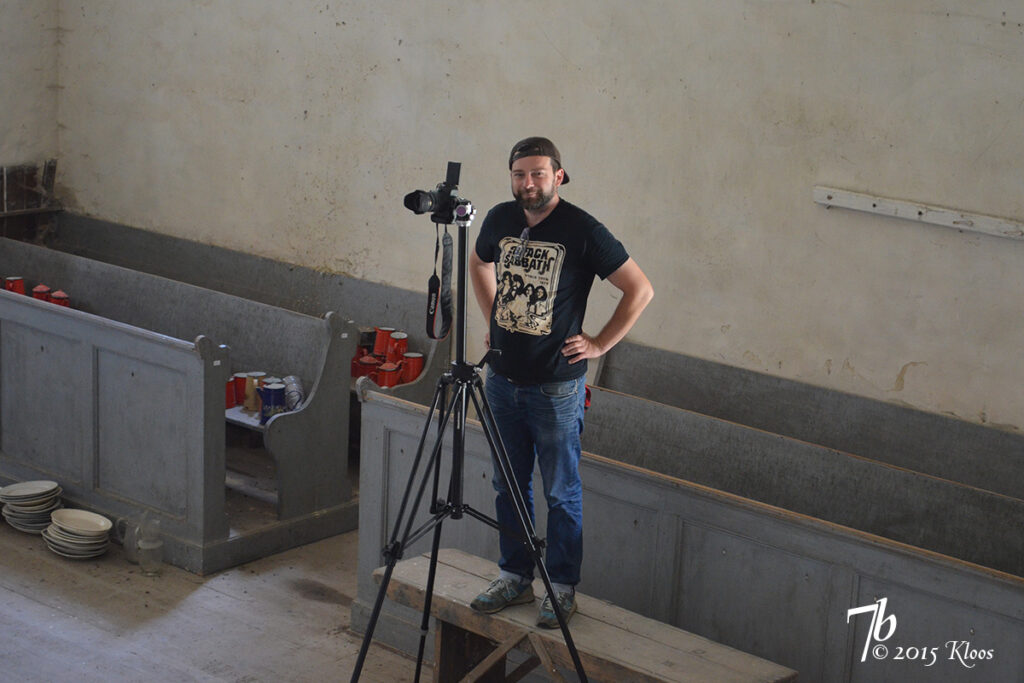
point(614, 645)
point(121, 398)
point(982, 456)
point(744, 573)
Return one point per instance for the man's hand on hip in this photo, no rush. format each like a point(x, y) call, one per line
point(580, 347)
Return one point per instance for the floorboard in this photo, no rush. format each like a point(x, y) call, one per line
point(281, 618)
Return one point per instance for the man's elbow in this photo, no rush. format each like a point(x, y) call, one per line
point(643, 292)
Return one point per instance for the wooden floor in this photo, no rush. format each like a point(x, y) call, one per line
point(282, 618)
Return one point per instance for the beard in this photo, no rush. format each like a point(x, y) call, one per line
point(537, 200)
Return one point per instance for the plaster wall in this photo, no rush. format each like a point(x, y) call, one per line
point(28, 81)
point(695, 130)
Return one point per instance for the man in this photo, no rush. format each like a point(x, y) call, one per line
point(541, 245)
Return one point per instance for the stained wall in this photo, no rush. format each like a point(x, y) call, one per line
point(696, 130)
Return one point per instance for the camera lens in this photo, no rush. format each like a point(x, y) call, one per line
point(420, 201)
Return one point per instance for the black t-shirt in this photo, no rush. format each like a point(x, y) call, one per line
point(543, 285)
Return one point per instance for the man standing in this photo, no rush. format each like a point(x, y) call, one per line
point(545, 253)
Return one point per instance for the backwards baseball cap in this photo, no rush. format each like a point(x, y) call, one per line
point(537, 147)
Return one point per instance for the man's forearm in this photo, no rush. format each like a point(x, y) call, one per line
point(637, 292)
point(626, 313)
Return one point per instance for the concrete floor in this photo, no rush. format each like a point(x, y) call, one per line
point(282, 618)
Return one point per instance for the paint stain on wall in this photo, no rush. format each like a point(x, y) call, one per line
point(901, 378)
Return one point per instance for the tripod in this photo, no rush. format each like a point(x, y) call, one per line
point(464, 379)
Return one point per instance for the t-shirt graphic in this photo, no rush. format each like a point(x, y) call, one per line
point(527, 283)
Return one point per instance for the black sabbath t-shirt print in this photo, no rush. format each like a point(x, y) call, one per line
point(527, 282)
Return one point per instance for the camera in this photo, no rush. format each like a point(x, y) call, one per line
point(440, 201)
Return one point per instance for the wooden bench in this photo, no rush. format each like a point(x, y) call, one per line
point(743, 573)
point(809, 479)
point(137, 371)
point(614, 645)
point(259, 279)
point(942, 446)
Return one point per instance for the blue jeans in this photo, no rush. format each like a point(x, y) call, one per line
point(541, 423)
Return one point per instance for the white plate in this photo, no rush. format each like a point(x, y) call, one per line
point(35, 503)
point(76, 556)
point(27, 528)
point(27, 519)
point(28, 516)
point(30, 503)
point(39, 511)
point(56, 534)
point(81, 522)
point(53, 538)
point(27, 489)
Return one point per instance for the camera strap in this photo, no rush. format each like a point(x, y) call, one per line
point(439, 290)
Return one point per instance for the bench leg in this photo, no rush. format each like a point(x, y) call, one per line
point(545, 658)
point(457, 651)
point(498, 656)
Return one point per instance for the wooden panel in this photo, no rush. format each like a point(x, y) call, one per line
point(925, 621)
point(612, 521)
point(145, 432)
point(765, 581)
point(44, 419)
point(467, 532)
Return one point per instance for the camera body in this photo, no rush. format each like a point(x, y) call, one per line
point(441, 202)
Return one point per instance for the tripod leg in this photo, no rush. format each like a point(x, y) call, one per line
point(493, 437)
point(434, 466)
point(368, 637)
point(394, 549)
point(425, 624)
point(435, 404)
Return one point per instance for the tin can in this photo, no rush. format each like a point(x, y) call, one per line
point(380, 344)
point(272, 401)
point(293, 392)
point(238, 379)
point(398, 344)
point(15, 283)
point(367, 366)
point(412, 365)
point(388, 375)
point(253, 382)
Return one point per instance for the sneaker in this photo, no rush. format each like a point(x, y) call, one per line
point(566, 603)
point(502, 593)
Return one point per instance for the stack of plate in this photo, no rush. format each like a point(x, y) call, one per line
point(28, 504)
point(78, 534)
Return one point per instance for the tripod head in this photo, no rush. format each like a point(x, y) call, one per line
point(465, 212)
point(442, 201)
